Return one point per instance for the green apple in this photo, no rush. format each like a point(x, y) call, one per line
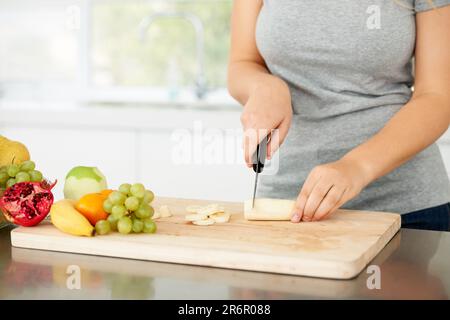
point(83, 180)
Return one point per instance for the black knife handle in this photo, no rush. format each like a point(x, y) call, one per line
point(259, 157)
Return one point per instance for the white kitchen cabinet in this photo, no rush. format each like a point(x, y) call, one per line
point(56, 151)
point(215, 168)
point(199, 179)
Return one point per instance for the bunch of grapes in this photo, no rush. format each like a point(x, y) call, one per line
point(129, 211)
point(15, 173)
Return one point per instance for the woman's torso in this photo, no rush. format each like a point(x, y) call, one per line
point(348, 66)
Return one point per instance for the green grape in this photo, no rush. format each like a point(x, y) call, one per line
point(36, 176)
point(107, 206)
point(23, 177)
point(12, 170)
point(112, 222)
point(102, 227)
point(27, 166)
point(3, 177)
point(149, 226)
point(152, 211)
point(132, 203)
point(125, 188)
point(10, 182)
point(124, 225)
point(117, 198)
point(138, 190)
point(148, 196)
point(118, 211)
point(138, 225)
point(144, 211)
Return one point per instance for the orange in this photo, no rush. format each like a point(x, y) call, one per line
point(91, 206)
point(106, 193)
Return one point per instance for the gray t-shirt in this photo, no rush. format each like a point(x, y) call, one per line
point(348, 66)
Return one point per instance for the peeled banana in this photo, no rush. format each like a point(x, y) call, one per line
point(268, 209)
point(66, 218)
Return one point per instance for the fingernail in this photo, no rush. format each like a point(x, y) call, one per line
point(306, 218)
point(295, 218)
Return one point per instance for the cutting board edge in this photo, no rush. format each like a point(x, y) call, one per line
point(346, 268)
point(379, 245)
point(222, 259)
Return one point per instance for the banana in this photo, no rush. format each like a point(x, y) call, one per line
point(205, 222)
point(165, 212)
point(210, 209)
point(220, 217)
point(66, 218)
point(207, 215)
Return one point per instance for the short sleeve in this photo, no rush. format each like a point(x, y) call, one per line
point(424, 5)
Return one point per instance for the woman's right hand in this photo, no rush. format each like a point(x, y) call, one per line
point(268, 110)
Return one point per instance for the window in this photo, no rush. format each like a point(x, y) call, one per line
point(100, 50)
point(37, 49)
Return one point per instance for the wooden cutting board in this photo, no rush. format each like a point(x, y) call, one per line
point(338, 248)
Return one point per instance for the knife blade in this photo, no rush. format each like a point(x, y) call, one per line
point(259, 159)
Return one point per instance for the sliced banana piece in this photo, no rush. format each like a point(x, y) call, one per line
point(210, 209)
point(165, 212)
point(207, 215)
point(220, 217)
point(156, 215)
point(205, 222)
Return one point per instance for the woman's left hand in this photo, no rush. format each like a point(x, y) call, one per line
point(327, 188)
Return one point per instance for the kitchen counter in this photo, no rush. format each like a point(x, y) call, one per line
point(414, 265)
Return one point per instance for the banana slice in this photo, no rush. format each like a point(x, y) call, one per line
point(205, 222)
point(207, 215)
point(156, 215)
point(220, 217)
point(210, 209)
point(195, 217)
point(165, 212)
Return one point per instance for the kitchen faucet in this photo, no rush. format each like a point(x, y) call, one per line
point(200, 82)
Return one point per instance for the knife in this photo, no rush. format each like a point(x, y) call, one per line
point(259, 158)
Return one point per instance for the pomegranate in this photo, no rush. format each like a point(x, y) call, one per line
point(27, 203)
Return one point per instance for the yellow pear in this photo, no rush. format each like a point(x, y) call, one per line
point(12, 152)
